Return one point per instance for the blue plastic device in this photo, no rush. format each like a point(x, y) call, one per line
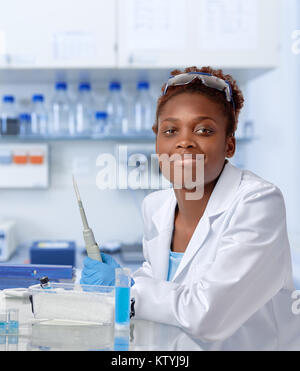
point(53, 252)
point(24, 275)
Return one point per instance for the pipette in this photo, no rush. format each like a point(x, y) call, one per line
point(91, 246)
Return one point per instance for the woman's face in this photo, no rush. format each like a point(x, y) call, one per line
point(193, 124)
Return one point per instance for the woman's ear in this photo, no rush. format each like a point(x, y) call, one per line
point(154, 129)
point(230, 146)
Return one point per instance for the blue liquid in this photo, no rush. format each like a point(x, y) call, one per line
point(13, 327)
point(3, 327)
point(13, 339)
point(121, 343)
point(122, 312)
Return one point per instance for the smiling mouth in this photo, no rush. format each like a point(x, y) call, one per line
point(189, 158)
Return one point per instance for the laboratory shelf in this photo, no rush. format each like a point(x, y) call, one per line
point(110, 138)
point(102, 75)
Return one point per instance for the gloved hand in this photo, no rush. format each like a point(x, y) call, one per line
point(99, 273)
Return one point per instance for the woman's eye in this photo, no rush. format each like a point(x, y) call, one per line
point(204, 131)
point(169, 131)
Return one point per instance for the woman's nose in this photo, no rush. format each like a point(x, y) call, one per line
point(185, 143)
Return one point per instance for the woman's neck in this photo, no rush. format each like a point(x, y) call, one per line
point(189, 212)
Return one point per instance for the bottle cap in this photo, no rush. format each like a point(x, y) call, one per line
point(61, 86)
point(38, 98)
point(8, 98)
point(44, 281)
point(99, 115)
point(84, 86)
point(25, 117)
point(143, 85)
point(115, 85)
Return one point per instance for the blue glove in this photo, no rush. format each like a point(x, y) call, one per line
point(99, 273)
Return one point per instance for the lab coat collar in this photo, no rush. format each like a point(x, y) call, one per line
point(224, 191)
point(219, 201)
point(163, 219)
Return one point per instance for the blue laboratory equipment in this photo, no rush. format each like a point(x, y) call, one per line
point(57, 252)
point(122, 298)
point(25, 275)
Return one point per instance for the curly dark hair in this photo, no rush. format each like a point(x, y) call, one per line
point(197, 87)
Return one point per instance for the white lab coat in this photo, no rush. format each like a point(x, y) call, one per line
point(236, 265)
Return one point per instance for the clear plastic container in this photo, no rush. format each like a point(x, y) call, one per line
point(61, 112)
point(25, 124)
point(84, 109)
point(74, 303)
point(100, 123)
point(143, 109)
point(13, 321)
point(123, 284)
point(3, 321)
point(9, 116)
point(39, 116)
point(116, 109)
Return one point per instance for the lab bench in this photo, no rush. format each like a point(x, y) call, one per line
point(42, 335)
point(36, 335)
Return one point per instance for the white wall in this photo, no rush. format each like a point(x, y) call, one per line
point(273, 103)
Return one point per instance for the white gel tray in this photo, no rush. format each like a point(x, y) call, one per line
point(74, 303)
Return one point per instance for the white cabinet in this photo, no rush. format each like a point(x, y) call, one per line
point(156, 34)
point(172, 33)
point(57, 33)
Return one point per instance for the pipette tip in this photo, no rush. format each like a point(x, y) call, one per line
point(76, 188)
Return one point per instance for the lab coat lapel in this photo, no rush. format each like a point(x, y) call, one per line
point(196, 242)
point(158, 248)
point(221, 198)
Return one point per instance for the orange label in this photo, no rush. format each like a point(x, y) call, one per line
point(20, 160)
point(36, 160)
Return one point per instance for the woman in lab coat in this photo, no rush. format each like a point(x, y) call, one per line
point(216, 261)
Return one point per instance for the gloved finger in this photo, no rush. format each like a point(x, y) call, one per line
point(88, 280)
point(89, 263)
point(107, 259)
point(101, 270)
point(97, 280)
point(89, 273)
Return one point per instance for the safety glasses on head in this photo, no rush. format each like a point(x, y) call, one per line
point(206, 79)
